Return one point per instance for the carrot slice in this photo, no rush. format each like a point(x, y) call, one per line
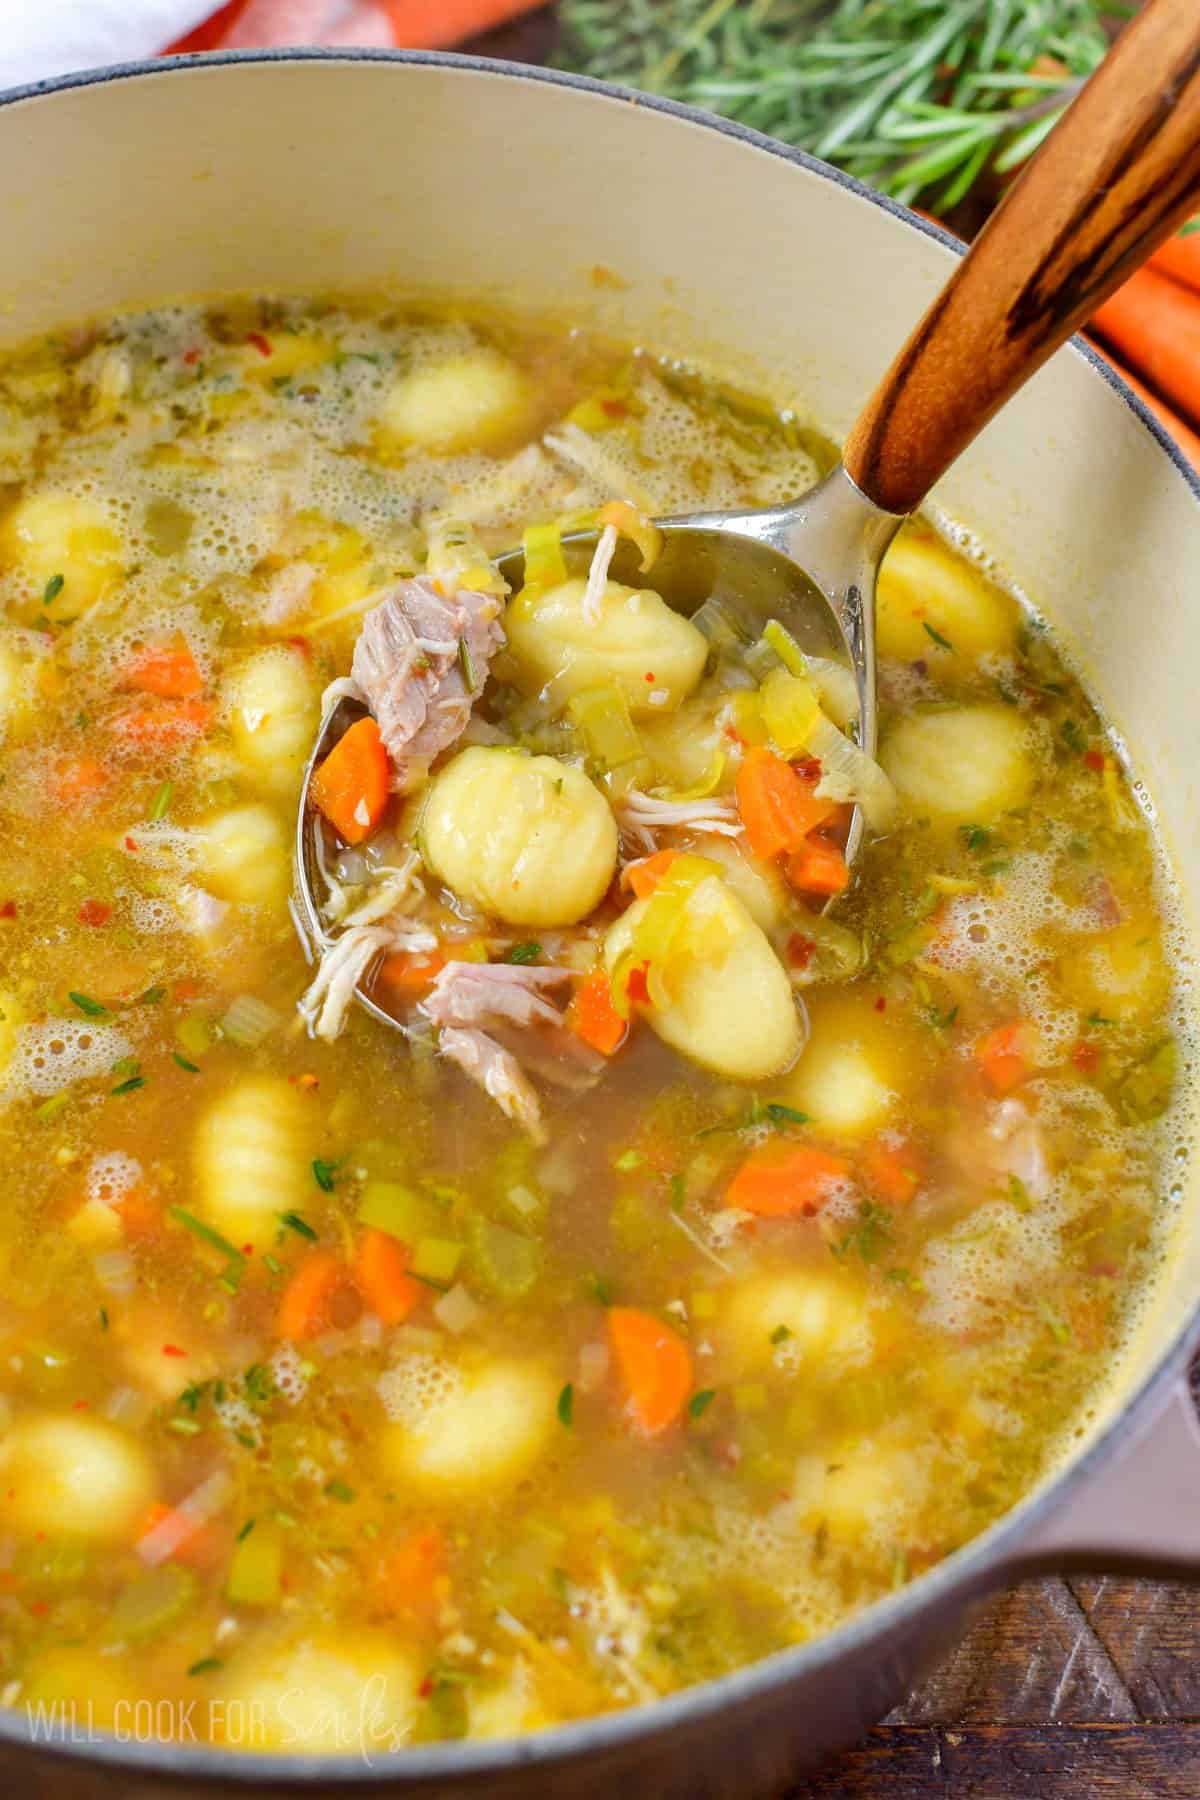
point(778, 807)
point(351, 785)
point(304, 1303)
point(166, 669)
point(416, 1574)
point(785, 1184)
point(407, 975)
point(1155, 324)
point(381, 1271)
point(654, 1365)
point(1000, 1057)
point(894, 1171)
point(818, 867)
point(594, 1017)
point(644, 876)
point(172, 723)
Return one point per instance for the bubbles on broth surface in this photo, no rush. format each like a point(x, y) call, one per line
point(49, 1056)
point(111, 1176)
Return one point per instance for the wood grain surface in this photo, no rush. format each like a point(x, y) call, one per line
point(1077, 1689)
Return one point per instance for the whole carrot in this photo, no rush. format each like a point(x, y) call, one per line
point(1179, 258)
point(1172, 424)
point(1155, 325)
point(433, 24)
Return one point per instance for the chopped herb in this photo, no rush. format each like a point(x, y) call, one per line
point(273, 1265)
point(902, 1277)
point(677, 1188)
point(524, 953)
point(870, 1236)
point(85, 1003)
point(323, 1174)
point(259, 1383)
point(207, 1665)
point(600, 1289)
point(104, 1318)
point(628, 1161)
point(126, 1065)
point(184, 1427)
point(699, 1403)
point(566, 1404)
point(976, 837)
point(294, 1222)
point(53, 589)
point(247, 1439)
point(244, 1533)
point(191, 1067)
point(205, 1232)
point(1096, 1018)
point(1000, 867)
point(940, 1021)
point(943, 643)
point(1073, 736)
point(161, 802)
point(1018, 1193)
point(1058, 1327)
point(780, 1335)
point(50, 1108)
point(129, 1087)
point(151, 997)
point(467, 666)
point(779, 1114)
point(338, 1490)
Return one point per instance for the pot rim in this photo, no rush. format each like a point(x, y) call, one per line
point(978, 1564)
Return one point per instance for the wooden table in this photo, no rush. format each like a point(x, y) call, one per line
point(1076, 1689)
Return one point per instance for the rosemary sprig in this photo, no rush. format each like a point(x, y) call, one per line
point(919, 98)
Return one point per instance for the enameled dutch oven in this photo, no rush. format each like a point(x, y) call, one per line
point(447, 177)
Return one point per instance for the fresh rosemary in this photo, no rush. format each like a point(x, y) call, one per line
point(919, 98)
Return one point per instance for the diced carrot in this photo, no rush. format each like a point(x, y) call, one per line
point(77, 778)
point(304, 1303)
point(894, 1170)
point(174, 722)
point(777, 806)
point(141, 1213)
point(818, 867)
point(594, 1017)
point(785, 1183)
point(408, 976)
point(1000, 1057)
point(381, 1271)
point(415, 1574)
point(637, 988)
point(1086, 1057)
point(168, 670)
point(192, 1540)
point(351, 785)
point(654, 1365)
point(644, 876)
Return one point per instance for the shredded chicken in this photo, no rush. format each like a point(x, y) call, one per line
point(324, 1005)
point(493, 994)
point(597, 579)
point(390, 888)
point(579, 450)
point(421, 659)
point(497, 1071)
point(640, 817)
point(288, 592)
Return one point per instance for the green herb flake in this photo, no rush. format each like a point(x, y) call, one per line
point(628, 1161)
point(600, 1289)
point(53, 589)
point(976, 837)
point(1073, 736)
point(323, 1175)
point(943, 643)
point(524, 953)
point(204, 1232)
point(294, 1222)
point(1018, 1194)
point(50, 1109)
point(465, 663)
point(245, 1531)
point(699, 1403)
point(191, 1067)
point(338, 1490)
point(780, 1335)
point(130, 1086)
point(779, 1114)
point(104, 1318)
point(91, 1008)
point(566, 1405)
point(208, 1665)
point(151, 997)
point(160, 805)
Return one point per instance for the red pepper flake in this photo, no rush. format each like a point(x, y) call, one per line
point(800, 950)
point(260, 343)
point(40, 1607)
point(426, 1688)
point(94, 912)
point(636, 987)
point(649, 674)
point(881, 1004)
point(8, 909)
point(186, 989)
point(734, 735)
point(80, 1405)
point(247, 1249)
point(302, 645)
point(131, 846)
point(191, 356)
point(1094, 760)
point(1086, 1057)
point(173, 1350)
point(616, 409)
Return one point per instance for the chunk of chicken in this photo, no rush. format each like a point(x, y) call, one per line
point(421, 661)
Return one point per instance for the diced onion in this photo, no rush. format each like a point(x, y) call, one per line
point(708, 783)
point(456, 1310)
point(370, 1331)
point(848, 774)
point(790, 709)
point(835, 683)
point(544, 562)
point(185, 1520)
point(115, 1271)
point(249, 1020)
point(717, 622)
point(593, 1367)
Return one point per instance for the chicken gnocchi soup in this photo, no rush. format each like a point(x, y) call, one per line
point(714, 1244)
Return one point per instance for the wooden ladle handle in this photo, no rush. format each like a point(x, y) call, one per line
point(1119, 173)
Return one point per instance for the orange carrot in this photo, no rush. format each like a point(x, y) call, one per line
point(304, 1303)
point(1155, 325)
point(166, 669)
point(818, 867)
point(777, 806)
point(1172, 424)
point(351, 785)
point(174, 722)
point(408, 975)
point(78, 778)
point(140, 1213)
point(415, 1574)
point(594, 1017)
point(1000, 1057)
point(894, 1170)
point(644, 876)
point(381, 1271)
point(654, 1365)
point(192, 1540)
point(1179, 258)
point(785, 1183)
point(436, 24)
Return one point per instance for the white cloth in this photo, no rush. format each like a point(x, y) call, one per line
point(41, 38)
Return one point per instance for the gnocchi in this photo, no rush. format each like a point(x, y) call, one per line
point(473, 401)
point(250, 1162)
point(69, 1473)
point(356, 1695)
point(484, 1433)
point(967, 764)
point(869, 1489)
point(243, 856)
point(757, 884)
point(731, 1009)
point(931, 604)
point(1119, 973)
point(17, 686)
point(273, 713)
point(856, 1065)
point(65, 550)
point(819, 1319)
point(526, 838)
point(654, 655)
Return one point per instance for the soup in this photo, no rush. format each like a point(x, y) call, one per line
point(716, 1244)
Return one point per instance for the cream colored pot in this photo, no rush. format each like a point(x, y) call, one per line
point(446, 176)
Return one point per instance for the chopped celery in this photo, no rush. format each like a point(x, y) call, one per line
point(785, 647)
point(151, 1603)
point(708, 783)
point(599, 411)
point(193, 1033)
point(544, 563)
point(504, 1261)
point(746, 717)
point(256, 1571)
point(602, 717)
point(390, 1206)
point(790, 709)
point(437, 1259)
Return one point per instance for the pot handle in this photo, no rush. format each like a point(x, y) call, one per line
point(1119, 173)
point(1138, 1516)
